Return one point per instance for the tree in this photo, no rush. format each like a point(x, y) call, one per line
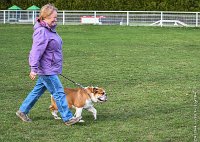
point(5, 4)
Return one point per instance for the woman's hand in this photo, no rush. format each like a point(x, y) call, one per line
point(32, 75)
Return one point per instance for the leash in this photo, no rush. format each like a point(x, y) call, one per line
point(76, 84)
point(73, 81)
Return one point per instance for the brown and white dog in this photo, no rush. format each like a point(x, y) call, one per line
point(81, 98)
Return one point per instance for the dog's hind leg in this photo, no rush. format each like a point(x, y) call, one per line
point(53, 108)
point(55, 114)
point(94, 111)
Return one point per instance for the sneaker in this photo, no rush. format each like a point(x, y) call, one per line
point(73, 120)
point(24, 117)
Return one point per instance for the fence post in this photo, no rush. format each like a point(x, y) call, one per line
point(63, 17)
point(197, 19)
point(4, 16)
point(95, 16)
point(127, 22)
point(161, 21)
point(33, 17)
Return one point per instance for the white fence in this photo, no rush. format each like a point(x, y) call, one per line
point(129, 18)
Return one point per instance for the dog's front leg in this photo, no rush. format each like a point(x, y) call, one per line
point(78, 113)
point(94, 112)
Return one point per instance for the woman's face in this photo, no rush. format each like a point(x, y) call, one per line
point(52, 19)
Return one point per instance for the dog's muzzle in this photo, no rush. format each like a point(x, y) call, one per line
point(102, 98)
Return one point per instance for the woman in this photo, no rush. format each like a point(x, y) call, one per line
point(45, 60)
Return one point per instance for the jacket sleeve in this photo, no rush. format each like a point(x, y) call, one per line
point(40, 42)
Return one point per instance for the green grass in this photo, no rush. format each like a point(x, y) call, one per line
point(150, 75)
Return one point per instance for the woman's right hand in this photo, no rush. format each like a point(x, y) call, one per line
point(32, 75)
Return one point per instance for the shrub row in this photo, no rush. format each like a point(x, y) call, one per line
point(124, 5)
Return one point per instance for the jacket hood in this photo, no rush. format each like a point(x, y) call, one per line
point(39, 24)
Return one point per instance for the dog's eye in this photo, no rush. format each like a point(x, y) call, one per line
point(95, 90)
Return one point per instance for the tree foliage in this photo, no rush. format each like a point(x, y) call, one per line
point(117, 5)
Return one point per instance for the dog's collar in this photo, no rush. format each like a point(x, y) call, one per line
point(85, 89)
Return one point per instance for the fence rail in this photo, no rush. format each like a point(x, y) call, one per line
point(129, 18)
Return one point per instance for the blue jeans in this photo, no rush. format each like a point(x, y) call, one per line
point(53, 85)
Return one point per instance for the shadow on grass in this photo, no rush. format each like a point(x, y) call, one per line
point(126, 114)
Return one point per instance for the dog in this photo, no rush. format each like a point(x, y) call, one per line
point(81, 98)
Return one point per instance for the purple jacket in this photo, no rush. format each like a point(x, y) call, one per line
point(45, 57)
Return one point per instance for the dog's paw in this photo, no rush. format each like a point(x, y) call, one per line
point(81, 121)
point(56, 117)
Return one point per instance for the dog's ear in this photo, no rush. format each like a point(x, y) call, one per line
point(95, 89)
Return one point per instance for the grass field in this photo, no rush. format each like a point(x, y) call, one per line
point(151, 76)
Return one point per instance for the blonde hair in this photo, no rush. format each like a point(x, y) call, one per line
point(46, 11)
